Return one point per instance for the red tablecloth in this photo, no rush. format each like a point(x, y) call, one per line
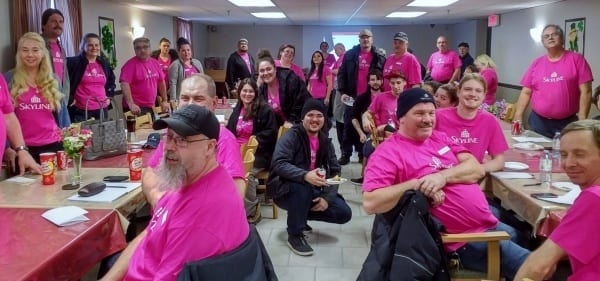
point(119, 161)
point(32, 248)
point(551, 222)
point(531, 158)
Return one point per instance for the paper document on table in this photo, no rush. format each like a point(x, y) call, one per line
point(20, 180)
point(67, 215)
point(512, 175)
point(113, 191)
point(531, 139)
point(568, 198)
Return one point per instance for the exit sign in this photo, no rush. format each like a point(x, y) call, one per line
point(493, 20)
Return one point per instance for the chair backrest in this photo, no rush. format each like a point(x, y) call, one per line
point(248, 160)
point(251, 144)
point(143, 120)
point(282, 130)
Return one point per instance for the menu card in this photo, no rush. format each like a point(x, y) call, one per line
point(67, 215)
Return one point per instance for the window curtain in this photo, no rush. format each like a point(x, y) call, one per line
point(27, 16)
point(72, 29)
point(183, 28)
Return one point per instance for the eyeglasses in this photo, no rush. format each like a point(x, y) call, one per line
point(179, 141)
point(553, 35)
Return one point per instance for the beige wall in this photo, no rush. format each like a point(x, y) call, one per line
point(7, 56)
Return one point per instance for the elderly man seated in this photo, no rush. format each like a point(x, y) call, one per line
point(576, 236)
point(419, 158)
point(200, 215)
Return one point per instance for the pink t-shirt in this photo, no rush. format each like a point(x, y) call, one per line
point(314, 148)
point(202, 220)
point(164, 65)
point(6, 107)
point(338, 62)
point(91, 88)
point(143, 78)
point(189, 70)
point(406, 64)
point(58, 61)
point(294, 67)
point(228, 154)
point(244, 128)
point(274, 103)
point(383, 107)
point(318, 88)
point(582, 247)
point(480, 134)
point(400, 159)
point(364, 63)
point(36, 118)
point(442, 66)
point(246, 58)
point(330, 61)
point(491, 80)
point(555, 85)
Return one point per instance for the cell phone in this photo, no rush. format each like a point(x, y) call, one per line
point(543, 195)
point(115, 178)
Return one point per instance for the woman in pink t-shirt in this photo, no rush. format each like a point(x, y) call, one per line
point(182, 68)
point(445, 96)
point(319, 78)
point(285, 59)
point(487, 69)
point(35, 94)
point(91, 80)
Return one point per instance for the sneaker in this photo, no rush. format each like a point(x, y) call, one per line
point(344, 160)
point(357, 180)
point(307, 228)
point(299, 245)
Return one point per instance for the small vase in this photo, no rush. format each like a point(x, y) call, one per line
point(76, 170)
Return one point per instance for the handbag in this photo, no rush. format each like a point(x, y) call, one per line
point(109, 137)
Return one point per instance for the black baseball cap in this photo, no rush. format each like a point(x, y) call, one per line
point(401, 36)
point(191, 120)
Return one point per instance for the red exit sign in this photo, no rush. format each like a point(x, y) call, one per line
point(493, 20)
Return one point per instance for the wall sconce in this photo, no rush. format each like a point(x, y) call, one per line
point(137, 31)
point(536, 34)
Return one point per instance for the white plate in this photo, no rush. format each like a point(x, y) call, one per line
point(340, 181)
point(515, 166)
point(528, 146)
point(564, 185)
point(349, 101)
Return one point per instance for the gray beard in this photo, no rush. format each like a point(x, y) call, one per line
point(170, 177)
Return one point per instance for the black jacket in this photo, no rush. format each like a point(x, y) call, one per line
point(406, 244)
point(291, 161)
point(348, 72)
point(237, 69)
point(292, 94)
point(264, 128)
point(76, 67)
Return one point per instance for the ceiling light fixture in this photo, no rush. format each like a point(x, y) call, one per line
point(269, 15)
point(431, 3)
point(405, 14)
point(252, 3)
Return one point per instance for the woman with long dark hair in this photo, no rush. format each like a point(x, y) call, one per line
point(182, 68)
point(319, 78)
point(91, 79)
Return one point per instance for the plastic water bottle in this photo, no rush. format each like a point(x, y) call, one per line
point(546, 169)
point(556, 145)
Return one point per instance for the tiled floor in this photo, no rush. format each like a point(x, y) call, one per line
point(339, 250)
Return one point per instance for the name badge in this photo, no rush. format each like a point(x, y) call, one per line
point(443, 150)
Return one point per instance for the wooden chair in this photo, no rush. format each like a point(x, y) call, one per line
point(251, 144)
point(492, 239)
point(140, 121)
point(248, 160)
point(282, 130)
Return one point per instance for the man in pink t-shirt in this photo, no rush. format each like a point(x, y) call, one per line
point(479, 131)
point(419, 158)
point(444, 65)
point(404, 62)
point(328, 59)
point(199, 217)
point(577, 234)
point(558, 84)
point(200, 90)
point(141, 78)
point(52, 29)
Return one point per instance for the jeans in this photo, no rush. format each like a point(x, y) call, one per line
point(548, 127)
point(299, 201)
point(351, 138)
point(78, 115)
point(474, 255)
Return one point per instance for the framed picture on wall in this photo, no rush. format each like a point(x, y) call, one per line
point(575, 35)
point(106, 27)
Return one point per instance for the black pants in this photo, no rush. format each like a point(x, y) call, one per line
point(299, 201)
point(548, 127)
point(78, 114)
point(350, 138)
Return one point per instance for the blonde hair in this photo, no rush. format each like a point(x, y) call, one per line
point(473, 76)
point(485, 60)
point(44, 78)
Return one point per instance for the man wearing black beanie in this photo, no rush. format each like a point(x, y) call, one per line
point(303, 174)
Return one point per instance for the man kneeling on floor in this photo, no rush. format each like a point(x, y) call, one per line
point(296, 182)
point(200, 216)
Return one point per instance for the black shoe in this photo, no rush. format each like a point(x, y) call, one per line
point(307, 228)
point(299, 245)
point(344, 160)
point(357, 180)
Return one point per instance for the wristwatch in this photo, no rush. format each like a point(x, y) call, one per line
point(21, 147)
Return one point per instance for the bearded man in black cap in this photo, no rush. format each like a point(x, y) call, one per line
point(302, 162)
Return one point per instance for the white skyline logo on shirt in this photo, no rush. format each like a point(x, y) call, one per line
point(35, 99)
point(464, 134)
point(554, 77)
point(437, 164)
